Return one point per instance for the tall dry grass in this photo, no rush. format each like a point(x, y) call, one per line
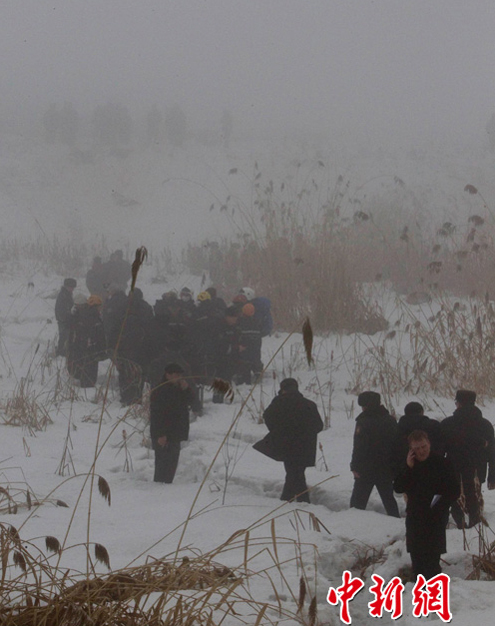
point(310, 248)
point(432, 349)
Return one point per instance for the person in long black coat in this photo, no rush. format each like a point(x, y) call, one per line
point(63, 309)
point(430, 483)
point(470, 446)
point(372, 454)
point(169, 421)
point(86, 346)
point(294, 422)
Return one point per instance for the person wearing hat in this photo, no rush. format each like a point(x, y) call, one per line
point(249, 345)
point(63, 308)
point(294, 423)
point(470, 446)
point(226, 356)
point(372, 453)
point(169, 420)
point(186, 302)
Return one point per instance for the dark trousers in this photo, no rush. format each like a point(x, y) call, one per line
point(166, 461)
point(362, 491)
point(472, 505)
point(425, 563)
point(295, 483)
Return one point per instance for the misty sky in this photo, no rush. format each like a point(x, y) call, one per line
point(416, 67)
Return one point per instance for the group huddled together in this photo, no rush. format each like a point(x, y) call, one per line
point(207, 338)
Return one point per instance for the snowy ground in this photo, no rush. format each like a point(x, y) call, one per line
point(145, 518)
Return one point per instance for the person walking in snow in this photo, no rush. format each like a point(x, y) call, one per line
point(430, 483)
point(372, 454)
point(294, 423)
point(169, 421)
point(470, 446)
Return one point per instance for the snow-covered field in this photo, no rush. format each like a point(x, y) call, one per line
point(222, 485)
point(236, 490)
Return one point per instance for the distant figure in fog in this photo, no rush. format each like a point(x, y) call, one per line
point(97, 279)
point(63, 308)
point(86, 340)
point(118, 270)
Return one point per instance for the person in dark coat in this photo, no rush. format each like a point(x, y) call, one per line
point(97, 279)
point(372, 454)
point(415, 419)
point(226, 349)
point(63, 308)
point(118, 270)
point(86, 346)
point(430, 483)
point(113, 314)
point(169, 421)
point(131, 354)
point(470, 446)
point(294, 422)
point(217, 302)
point(249, 345)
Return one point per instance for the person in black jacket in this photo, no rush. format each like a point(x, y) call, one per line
point(430, 483)
point(372, 454)
point(96, 279)
point(470, 446)
point(86, 346)
point(169, 421)
point(63, 309)
point(294, 422)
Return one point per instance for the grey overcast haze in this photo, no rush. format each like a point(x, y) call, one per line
point(372, 69)
point(372, 89)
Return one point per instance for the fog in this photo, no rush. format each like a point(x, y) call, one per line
point(349, 75)
point(410, 68)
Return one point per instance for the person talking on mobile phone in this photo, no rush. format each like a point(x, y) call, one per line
point(430, 484)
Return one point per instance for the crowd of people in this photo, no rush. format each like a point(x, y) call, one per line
point(180, 344)
point(205, 336)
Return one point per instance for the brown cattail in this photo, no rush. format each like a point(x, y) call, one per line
point(307, 333)
point(104, 489)
point(141, 256)
point(19, 560)
point(53, 544)
point(101, 554)
point(302, 594)
point(312, 612)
